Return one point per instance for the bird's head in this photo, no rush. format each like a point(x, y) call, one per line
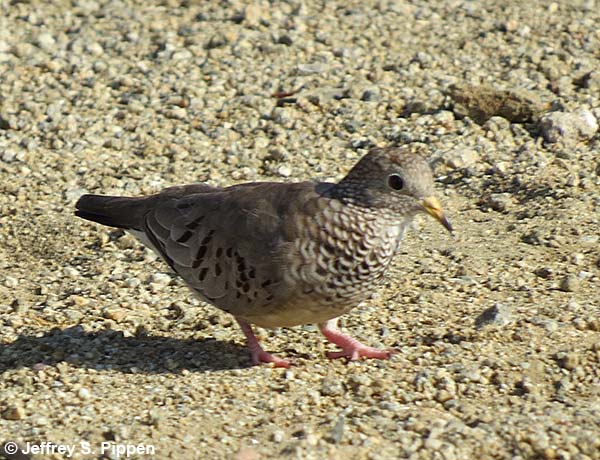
point(395, 179)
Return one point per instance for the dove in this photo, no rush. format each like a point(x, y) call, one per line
point(283, 254)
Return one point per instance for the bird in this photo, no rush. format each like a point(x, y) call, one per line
point(278, 254)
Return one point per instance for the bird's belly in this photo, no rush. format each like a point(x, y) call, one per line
point(313, 306)
point(299, 311)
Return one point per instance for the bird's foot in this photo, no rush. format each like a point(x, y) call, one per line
point(259, 356)
point(351, 348)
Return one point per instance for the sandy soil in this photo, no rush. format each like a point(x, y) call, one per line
point(497, 328)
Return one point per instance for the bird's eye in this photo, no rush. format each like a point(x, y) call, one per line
point(395, 182)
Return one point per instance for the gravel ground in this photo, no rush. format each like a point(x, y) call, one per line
point(497, 329)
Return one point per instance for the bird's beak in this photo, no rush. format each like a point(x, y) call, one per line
point(433, 207)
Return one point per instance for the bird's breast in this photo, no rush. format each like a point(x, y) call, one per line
point(341, 257)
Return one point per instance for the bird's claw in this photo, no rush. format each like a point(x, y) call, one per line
point(262, 357)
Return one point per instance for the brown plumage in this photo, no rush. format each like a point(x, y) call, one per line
point(280, 254)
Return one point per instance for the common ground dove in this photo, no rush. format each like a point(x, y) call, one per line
point(283, 254)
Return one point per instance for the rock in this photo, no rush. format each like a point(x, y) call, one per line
point(568, 361)
point(577, 258)
point(10, 156)
point(13, 412)
point(569, 283)
point(284, 171)
point(159, 279)
point(463, 158)
point(371, 94)
point(500, 202)
point(94, 48)
point(254, 13)
point(278, 436)
point(71, 272)
point(337, 432)
point(84, 393)
point(247, 453)
point(74, 194)
point(322, 95)
point(482, 102)
point(568, 127)
point(46, 41)
point(313, 68)
point(78, 301)
point(590, 80)
point(285, 40)
point(498, 315)
point(5, 123)
point(11, 282)
point(283, 116)
point(331, 386)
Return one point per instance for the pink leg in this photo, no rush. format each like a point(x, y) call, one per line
point(351, 348)
point(259, 355)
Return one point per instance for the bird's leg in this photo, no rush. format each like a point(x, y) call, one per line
point(259, 355)
point(351, 348)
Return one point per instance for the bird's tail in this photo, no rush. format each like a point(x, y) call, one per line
point(129, 212)
point(114, 211)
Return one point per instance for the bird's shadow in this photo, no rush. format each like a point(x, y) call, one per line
point(111, 350)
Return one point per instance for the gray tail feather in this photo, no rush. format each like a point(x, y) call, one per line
point(128, 212)
point(113, 211)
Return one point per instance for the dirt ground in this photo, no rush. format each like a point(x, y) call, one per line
point(497, 328)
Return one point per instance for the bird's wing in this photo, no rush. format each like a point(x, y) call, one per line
point(226, 243)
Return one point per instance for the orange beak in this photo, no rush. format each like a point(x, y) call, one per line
point(434, 208)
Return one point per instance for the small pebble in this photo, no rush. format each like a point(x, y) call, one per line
point(13, 413)
point(498, 315)
point(84, 393)
point(284, 171)
point(569, 283)
point(160, 279)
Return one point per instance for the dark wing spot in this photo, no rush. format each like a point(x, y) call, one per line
point(241, 264)
point(201, 252)
point(321, 271)
point(186, 236)
point(202, 273)
point(243, 277)
point(246, 287)
point(208, 237)
point(229, 252)
point(270, 297)
point(184, 205)
point(266, 283)
point(195, 223)
point(218, 270)
point(219, 252)
point(252, 273)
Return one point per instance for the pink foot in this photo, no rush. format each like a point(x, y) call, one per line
point(259, 355)
point(351, 348)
